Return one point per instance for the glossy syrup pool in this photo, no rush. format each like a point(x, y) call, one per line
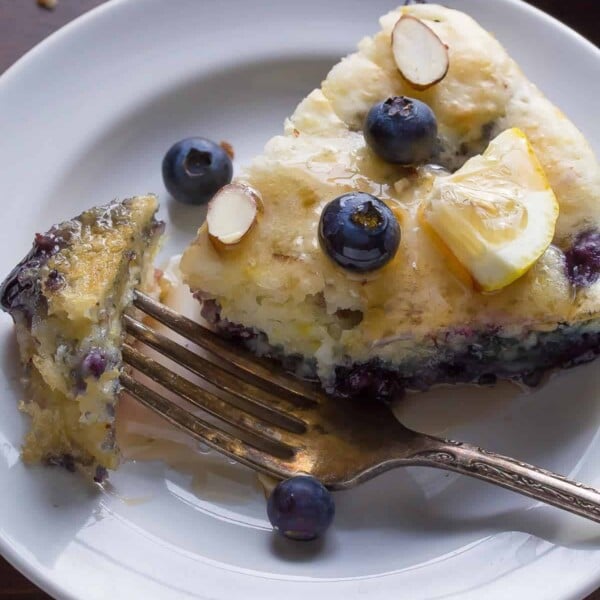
point(405, 520)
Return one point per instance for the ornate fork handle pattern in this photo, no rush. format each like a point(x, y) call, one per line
point(517, 476)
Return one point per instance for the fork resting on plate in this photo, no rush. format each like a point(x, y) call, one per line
point(279, 425)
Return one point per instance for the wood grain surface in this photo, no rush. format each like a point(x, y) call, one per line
point(23, 24)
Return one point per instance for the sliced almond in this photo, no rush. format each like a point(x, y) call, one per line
point(420, 55)
point(232, 213)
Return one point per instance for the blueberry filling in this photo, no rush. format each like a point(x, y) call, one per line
point(66, 461)
point(211, 311)
point(583, 259)
point(487, 379)
point(156, 228)
point(485, 358)
point(93, 364)
point(21, 289)
point(55, 281)
point(101, 474)
point(490, 357)
point(367, 381)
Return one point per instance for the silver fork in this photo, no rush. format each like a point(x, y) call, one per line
point(281, 426)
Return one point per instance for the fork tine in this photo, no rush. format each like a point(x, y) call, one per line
point(276, 410)
point(217, 439)
point(238, 362)
point(209, 402)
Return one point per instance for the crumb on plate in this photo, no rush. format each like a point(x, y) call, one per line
point(47, 4)
point(228, 149)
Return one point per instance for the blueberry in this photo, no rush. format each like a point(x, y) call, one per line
point(46, 244)
point(55, 281)
point(101, 474)
point(20, 290)
point(583, 258)
point(401, 130)
point(66, 461)
point(195, 169)
point(359, 232)
point(368, 382)
point(301, 508)
point(93, 364)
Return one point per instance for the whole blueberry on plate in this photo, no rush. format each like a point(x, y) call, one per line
point(301, 508)
point(401, 130)
point(195, 169)
point(359, 232)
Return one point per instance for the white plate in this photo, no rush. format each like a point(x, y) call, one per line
point(87, 116)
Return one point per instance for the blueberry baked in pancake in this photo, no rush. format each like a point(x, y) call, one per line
point(66, 298)
point(427, 217)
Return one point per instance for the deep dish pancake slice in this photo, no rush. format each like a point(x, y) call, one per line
point(66, 298)
point(414, 322)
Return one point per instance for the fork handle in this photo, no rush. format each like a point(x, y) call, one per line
point(512, 474)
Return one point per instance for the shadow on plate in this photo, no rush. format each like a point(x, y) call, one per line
point(297, 552)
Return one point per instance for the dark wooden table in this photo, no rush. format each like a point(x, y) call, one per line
point(23, 24)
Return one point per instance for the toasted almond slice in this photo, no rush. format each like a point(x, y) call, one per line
point(232, 213)
point(420, 55)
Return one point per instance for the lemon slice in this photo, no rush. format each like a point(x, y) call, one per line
point(497, 213)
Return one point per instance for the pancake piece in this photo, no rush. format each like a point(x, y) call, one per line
point(67, 297)
point(419, 320)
